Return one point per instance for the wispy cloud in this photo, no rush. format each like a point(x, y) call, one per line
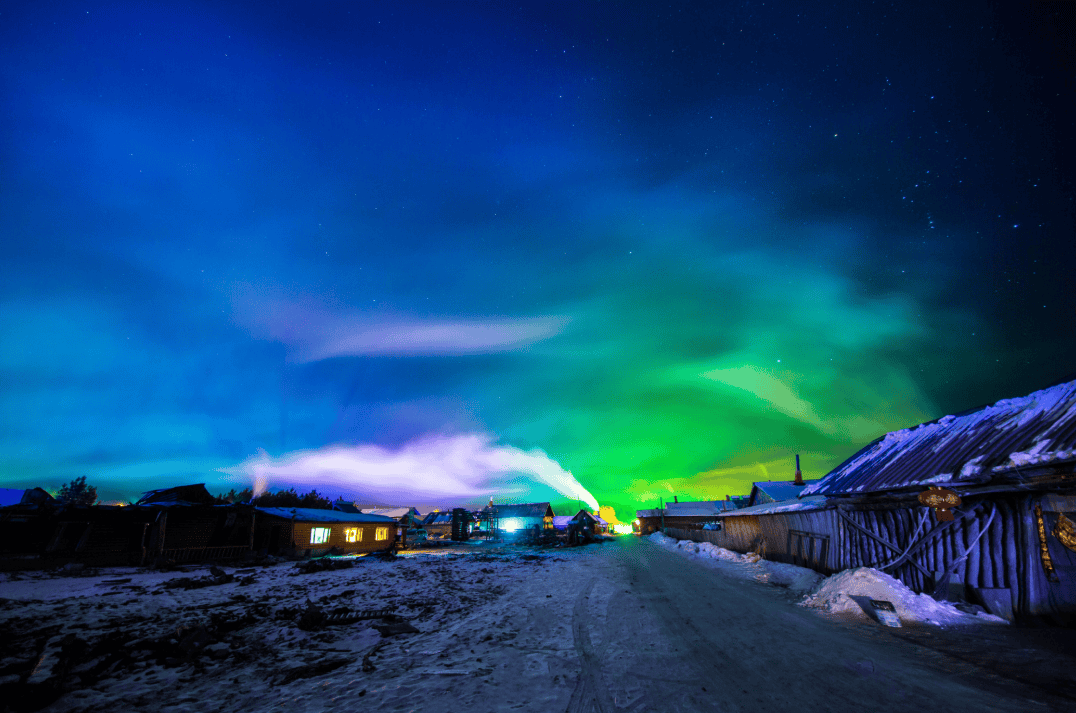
point(314, 334)
point(439, 470)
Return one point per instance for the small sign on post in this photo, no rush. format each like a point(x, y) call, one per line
point(942, 500)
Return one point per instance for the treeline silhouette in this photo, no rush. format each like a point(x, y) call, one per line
point(279, 499)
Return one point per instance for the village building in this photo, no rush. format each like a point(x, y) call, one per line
point(694, 515)
point(1005, 473)
point(513, 520)
point(408, 517)
point(311, 532)
point(647, 521)
point(438, 524)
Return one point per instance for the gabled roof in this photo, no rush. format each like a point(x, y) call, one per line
point(701, 508)
point(539, 510)
point(179, 495)
point(315, 515)
point(988, 443)
point(438, 518)
point(776, 490)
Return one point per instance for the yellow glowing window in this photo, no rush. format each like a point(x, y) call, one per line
point(319, 535)
point(353, 534)
point(382, 533)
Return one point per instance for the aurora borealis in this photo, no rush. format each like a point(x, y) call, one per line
point(426, 252)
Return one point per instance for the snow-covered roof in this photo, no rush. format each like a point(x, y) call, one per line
point(967, 448)
point(780, 489)
point(539, 510)
point(438, 518)
point(703, 508)
point(394, 513)
point(656, 512)
point(560, 522)
point(810, 502)
point(315, 515)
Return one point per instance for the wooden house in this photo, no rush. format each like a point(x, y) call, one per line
point(693, 515)
point(511, 520)
point(438, 524)
point(1011, 544)
point(310, 532)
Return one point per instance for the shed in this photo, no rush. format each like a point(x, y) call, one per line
point(308, 531)
point(1012, 543)
point(438, 523)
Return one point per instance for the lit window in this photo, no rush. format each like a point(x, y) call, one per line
point(382, 533)
point(319, 535)
point(353, 534)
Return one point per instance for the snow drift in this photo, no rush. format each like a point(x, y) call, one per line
point(835, 596)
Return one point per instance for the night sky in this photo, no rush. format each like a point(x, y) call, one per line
point(421, 253)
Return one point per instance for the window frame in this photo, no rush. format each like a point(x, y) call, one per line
point(315, 531)
point(381, 534)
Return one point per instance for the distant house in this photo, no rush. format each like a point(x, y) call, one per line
point(438, 524)
point(408, 517)
point(511, 519)
point(647, 521)
point(311, 532)
point(583, 519)
point(773, 491)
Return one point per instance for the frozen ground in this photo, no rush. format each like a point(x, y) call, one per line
point(628, 626)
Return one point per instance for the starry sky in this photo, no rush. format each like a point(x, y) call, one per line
point(426, 252)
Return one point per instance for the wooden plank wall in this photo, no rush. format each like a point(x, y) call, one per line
point(301, 537)
point(1006, 556)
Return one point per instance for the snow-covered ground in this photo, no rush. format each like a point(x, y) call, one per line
point(832, 594)
point(129, 639)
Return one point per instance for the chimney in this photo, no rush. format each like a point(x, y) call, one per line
point(727, 497)
point(799, 475)
point(675, 499)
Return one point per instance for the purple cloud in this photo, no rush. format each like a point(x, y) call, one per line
point(315, 334)
point(440, 470)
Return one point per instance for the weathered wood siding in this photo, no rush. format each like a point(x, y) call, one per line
point(997, 547)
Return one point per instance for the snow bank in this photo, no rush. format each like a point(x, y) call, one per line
point(798, 579)
point(836, 592)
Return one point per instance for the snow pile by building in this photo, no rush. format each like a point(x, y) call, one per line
point(836, 592)
point(661, 538)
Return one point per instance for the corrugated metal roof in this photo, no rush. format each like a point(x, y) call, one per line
point(438, 518)
point(968, 448)
point(813, 502)
point(315, 515)
point(703, 508)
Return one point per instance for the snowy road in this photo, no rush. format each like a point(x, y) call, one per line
point(625, 626)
